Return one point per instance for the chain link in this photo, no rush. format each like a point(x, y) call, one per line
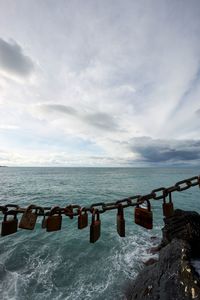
point(74, 210)
point(156, 197)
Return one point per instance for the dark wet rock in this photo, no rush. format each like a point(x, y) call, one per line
point(172, 277)
point(153, 238)
point(154, 250)
point(150, 261)
point(183, 225)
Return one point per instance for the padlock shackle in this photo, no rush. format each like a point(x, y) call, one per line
point(75, 206)
point(41, 210)
point(10, 213)
point(82, 209)
point(36, 207)
point(30, 207)
point(148, 205)
point(55, 210)
point(140, 201)
point(120, 211)
point(95, 212)
point(12, 205)
point(3, 209)
point(170, 197)
point(165, 194)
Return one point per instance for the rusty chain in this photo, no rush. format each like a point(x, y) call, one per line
point(73, 210)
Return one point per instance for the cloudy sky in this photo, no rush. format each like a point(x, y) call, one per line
point(99, 82)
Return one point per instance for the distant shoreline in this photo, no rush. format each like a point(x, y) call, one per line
point(108, 167)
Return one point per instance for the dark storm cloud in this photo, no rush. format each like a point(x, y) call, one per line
point(13, 60)
point(152, 150)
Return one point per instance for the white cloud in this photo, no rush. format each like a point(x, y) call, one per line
point(8, 127)
point(109, 73)
point(44, 158)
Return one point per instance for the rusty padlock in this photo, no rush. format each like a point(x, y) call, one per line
point(168, 208)
point(144, 216)
point(95, 227)
point(120, 221)
point(9, 226)
point(82, 218)
point(29, 217)
point(54, 220)
point(44, 220)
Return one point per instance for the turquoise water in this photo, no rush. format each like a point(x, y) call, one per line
point(64, 265)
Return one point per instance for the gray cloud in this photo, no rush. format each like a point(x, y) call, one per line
point(13, 60)
point(58, 108)
point(161, 151)
point(198, 112)
point(102, 121)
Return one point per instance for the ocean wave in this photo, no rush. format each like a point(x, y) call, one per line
point(47, 270)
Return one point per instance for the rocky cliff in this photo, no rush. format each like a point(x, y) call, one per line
point(172, 277)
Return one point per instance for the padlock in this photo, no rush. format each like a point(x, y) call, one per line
point(168, 208)
point(54, 220)
point(9, 226)
point(29, 217)
point(44, 222)
point(143, 216)
point(95, 227)
point(82, 219)
point(3, 209)
point(120, 221)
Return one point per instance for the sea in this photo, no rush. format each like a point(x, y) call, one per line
point(64, 264)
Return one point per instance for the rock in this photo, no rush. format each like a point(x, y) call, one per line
point(154, 250)
point(153, 238)
point(172, 277)
point(150, 261)
point(184, 225)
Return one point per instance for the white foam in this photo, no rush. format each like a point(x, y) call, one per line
point(88, 274)
point(196, 264)
point(8, 285)
point(133, 253)
point(37, 269)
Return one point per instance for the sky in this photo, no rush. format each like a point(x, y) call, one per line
point(100, 83)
